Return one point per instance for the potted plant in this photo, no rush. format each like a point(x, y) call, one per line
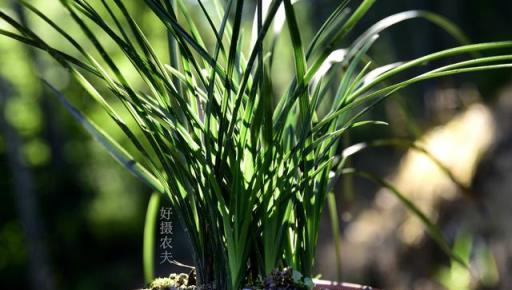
point(247, 171)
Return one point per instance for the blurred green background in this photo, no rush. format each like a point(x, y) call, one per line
point(71, 218)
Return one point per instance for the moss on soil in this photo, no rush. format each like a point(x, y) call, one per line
point(284, 279)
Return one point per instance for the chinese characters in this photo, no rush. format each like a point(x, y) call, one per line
point(166, 231)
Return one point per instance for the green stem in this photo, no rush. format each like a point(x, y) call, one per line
point(148, 252)
point(333, 215)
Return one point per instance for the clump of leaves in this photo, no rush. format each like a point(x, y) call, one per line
point(247, 171)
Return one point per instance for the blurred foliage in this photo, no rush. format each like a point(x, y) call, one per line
point(93, 210)
point(480, 259)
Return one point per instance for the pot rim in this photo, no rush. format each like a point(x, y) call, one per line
point(332, 285)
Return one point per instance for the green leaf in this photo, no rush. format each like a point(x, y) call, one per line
point(112, 147)
point(150, 224)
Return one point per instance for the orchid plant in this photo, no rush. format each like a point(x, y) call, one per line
point(248, 170)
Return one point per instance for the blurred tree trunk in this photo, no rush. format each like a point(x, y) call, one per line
point(26, 200)
point(40, 271)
